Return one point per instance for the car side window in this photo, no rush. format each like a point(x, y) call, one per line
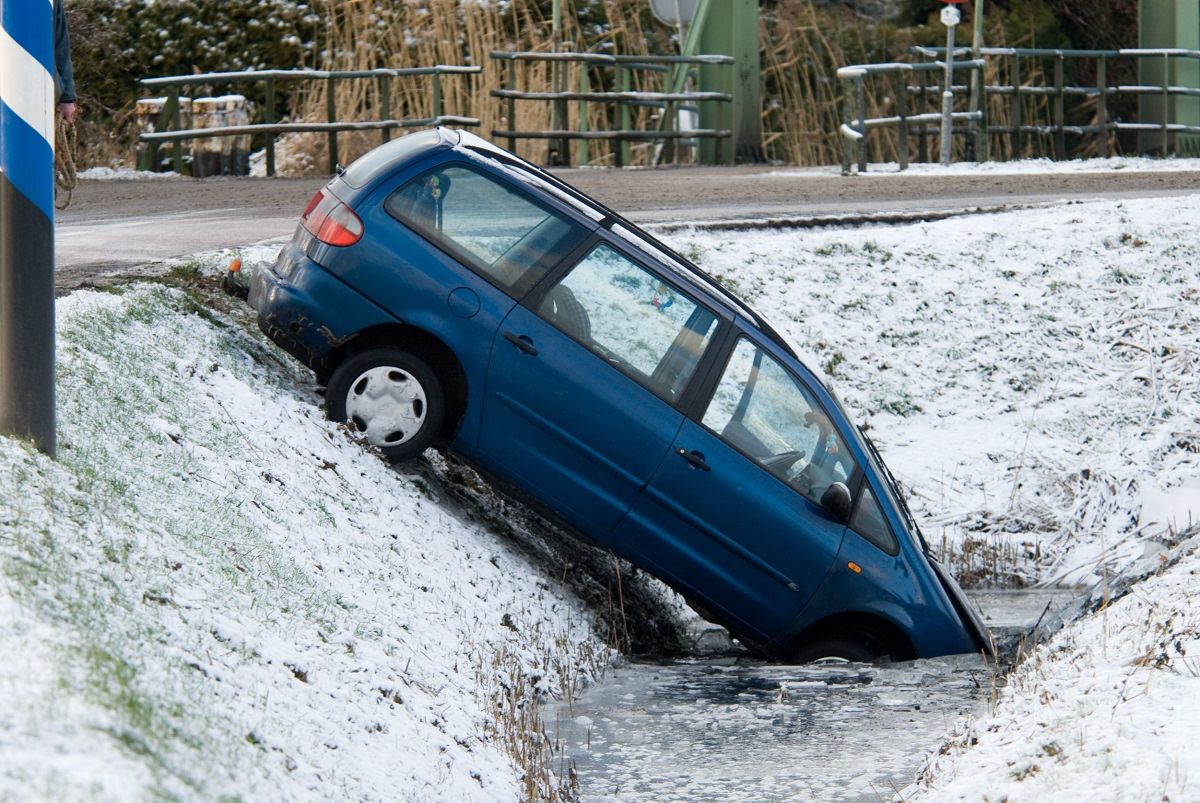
point(764, 411)
point(493, 229)
point(868, 521)
point(632, 318)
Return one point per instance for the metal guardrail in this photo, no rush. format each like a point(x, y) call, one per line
point(856, 124)
point(621, 100)
point(168, 126)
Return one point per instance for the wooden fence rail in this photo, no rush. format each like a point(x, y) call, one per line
point(620, 102)
point(168, 127)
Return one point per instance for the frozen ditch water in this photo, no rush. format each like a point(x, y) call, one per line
point(724, 727)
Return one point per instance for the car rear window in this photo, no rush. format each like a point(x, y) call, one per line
point(488, 226)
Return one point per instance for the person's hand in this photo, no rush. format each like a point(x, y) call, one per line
point(68, 110)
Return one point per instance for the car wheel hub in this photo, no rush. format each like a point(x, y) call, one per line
point(387, 405)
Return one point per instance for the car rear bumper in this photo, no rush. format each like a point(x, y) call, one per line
point(294, 298)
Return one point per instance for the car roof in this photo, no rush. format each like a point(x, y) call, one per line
point(474, 146)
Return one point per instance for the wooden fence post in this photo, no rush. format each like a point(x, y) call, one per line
point(385, 104)
point(1060, 110)
point(1016, 107)
point(331, 116)
point(269, 117)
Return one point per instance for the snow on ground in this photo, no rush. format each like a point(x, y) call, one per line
point(1107, 710)
point(214, 593)
point(124, 174)
point(1031, 376)
point(1140, 164)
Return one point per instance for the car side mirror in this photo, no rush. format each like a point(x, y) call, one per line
point(836, 500)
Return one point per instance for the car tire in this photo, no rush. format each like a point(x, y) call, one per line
point(391, 397)
point(857, 649)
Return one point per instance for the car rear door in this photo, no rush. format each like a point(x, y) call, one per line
point(733, 516)
point(582, 391)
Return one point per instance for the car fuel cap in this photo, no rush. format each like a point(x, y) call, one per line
point(463, 302)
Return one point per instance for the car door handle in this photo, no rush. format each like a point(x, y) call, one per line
point(695, 459)
point(522, 342)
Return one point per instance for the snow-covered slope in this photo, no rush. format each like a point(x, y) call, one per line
point(216, 593)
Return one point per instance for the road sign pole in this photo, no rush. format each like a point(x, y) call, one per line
point(950, 18)
point(27, 221)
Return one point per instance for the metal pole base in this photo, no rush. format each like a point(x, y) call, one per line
point(26, 319)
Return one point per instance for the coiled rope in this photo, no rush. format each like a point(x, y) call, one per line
point(66, 143)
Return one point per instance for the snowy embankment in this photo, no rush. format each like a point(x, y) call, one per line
point(1107, 710)
point(1031, 377)
point(1034, 379)
point(214, 593)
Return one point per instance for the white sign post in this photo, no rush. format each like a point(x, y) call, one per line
point(950, 18)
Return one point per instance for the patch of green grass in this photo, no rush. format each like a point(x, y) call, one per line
point(1116, 275)
point(185, 272)
point(693, 252)
point(901, 404)
point(835, 249)
point(831, 364)
point(876, 253)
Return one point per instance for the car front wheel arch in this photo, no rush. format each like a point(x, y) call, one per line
point(426, 347)
point(851, 637)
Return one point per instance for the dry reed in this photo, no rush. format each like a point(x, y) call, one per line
point(804, 43)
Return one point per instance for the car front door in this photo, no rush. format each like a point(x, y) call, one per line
point(581, 397)
point(733, 515)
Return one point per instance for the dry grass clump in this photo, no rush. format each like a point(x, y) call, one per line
point(515, 685)
point(452, 32)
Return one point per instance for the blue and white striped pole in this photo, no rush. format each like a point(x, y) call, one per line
point(27, 100)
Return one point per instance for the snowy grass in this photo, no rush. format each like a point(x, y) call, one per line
point(1112, 164)
point(1029, 376)
point(216, 593)
point(1106, 710)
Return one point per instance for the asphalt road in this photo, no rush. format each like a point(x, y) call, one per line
point(115, 226)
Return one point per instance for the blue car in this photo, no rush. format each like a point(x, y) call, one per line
point(449, 293)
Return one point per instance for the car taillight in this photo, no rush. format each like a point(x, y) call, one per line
point(330, 220)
